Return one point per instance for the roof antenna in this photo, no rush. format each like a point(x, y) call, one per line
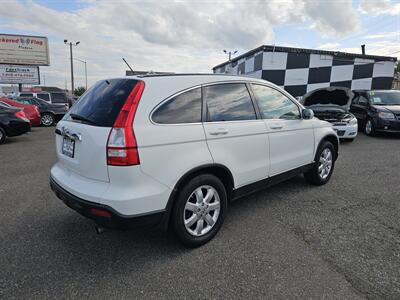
point(128, 65)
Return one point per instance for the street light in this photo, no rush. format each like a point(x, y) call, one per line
point(72, 64)
point(82, 61)
point(230, 53)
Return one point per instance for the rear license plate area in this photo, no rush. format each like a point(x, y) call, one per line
point(68, 147)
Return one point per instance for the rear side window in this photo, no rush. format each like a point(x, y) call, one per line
point(24, 101)
point(184, 108)
point(59, 98)
point(45, 97)
point(228, 102)
point(102, 103)
point(26, 95)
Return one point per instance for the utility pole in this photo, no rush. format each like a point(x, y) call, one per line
point(72, 63)
point(230, 53)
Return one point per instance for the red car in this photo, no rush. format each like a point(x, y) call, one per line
point(31, 111)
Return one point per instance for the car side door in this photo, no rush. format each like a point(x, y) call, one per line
point(359, 107)
point(291, 137)
point(237, 138)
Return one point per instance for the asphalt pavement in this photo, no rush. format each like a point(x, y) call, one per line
point(338, 241)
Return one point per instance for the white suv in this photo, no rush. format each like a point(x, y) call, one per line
point(174, 150)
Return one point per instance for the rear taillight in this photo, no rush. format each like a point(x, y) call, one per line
point(20, 114)
point(121, 144)
point(37, 111)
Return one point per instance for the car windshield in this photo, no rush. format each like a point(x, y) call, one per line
point(384, 98)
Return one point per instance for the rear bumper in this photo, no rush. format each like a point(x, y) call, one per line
point(17, 127)
point(115, 220)
point(35, 121)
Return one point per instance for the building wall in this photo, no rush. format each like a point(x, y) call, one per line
point(299, 73)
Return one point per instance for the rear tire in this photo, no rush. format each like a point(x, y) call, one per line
point(199, 210)
point(47, 120)
point(322, 170)
point(3, 135)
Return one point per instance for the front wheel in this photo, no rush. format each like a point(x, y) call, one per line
point(2, 135)
point(199, 210)
point(324, 164)
point(369, 128)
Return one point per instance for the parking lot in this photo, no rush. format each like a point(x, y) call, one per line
point(341, 240)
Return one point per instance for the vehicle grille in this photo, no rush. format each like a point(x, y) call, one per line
point(340, 132)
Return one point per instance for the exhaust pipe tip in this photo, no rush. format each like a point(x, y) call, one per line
point(99, 230)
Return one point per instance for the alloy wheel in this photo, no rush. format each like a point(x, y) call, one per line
point(47, 120)
point(368, 127)
point(202, 210)
point(325, 163)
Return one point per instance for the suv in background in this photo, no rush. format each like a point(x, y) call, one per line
point(174, 150)
point(51, 97)
point(377, 110)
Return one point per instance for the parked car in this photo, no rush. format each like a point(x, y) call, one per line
point(176, 149)
point(50, 113)
point(13, 122)
point(51, 97)
point(377, 110)
point(31, 111)
point(332, 104)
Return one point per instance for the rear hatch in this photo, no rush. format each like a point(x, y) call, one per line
point(84, 130)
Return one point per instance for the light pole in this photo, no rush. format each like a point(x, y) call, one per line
point(230, 53)
point(72, 64)
point(82, 61)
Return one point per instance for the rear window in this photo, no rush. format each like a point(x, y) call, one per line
point(26, 95)
point(102, 103)
point(59, 98)
point(44, 96)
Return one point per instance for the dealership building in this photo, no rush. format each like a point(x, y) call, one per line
point(299, 70)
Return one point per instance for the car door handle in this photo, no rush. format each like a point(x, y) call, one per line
point(276, 127)
point(219, 132)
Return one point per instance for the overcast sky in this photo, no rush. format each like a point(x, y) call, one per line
point(189, 36)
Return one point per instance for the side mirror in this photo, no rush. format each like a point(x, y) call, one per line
point(307, 114)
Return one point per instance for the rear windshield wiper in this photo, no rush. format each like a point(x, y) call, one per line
point(82, 118)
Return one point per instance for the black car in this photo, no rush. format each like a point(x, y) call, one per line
point(50, 113)
point(377, 110)
point(12, 122)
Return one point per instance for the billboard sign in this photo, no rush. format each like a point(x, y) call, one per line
point(24, 50)
point(13, 74)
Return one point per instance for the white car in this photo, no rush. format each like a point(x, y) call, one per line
point(174, 150)
point(332, 104)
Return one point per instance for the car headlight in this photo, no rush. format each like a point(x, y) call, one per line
point(385, 115)
point(353, 121)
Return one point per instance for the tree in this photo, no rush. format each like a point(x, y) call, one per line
point(79, 91)
point(398, 67)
